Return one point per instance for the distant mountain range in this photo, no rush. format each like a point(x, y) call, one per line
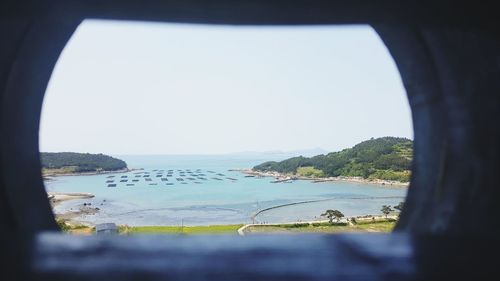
point(291, 153)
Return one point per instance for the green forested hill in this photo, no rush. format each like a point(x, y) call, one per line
point(80, 162)
point(387, 158)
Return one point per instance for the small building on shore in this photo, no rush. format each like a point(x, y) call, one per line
point(106, 228)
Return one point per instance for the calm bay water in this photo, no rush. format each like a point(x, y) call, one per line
point(211, 201)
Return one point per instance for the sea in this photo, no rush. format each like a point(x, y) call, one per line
point(208, 190)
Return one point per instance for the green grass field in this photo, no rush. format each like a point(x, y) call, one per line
point(369, 226)
point(210, 229)
point(360, 226)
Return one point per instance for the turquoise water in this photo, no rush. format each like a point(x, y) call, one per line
point(210, 201)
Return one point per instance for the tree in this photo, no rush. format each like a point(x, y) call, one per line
point(399, 206)
point(353, 220)
point(333, 214)
point(386, 209)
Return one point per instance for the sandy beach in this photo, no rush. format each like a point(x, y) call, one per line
point(58, 197)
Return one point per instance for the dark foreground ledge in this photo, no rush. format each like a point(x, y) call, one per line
point(396, 256)
point(260, 257)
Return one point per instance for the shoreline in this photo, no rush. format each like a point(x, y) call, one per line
point(279, 178)
point(259, 212)
point(70, 219)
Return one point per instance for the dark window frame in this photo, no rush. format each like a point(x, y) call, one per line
point(447, 54)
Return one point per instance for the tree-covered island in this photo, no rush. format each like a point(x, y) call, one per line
point(59, 163)
point(386, 158)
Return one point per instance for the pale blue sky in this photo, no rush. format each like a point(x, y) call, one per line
point(150, 88)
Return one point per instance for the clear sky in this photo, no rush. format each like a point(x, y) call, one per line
point(151, 88)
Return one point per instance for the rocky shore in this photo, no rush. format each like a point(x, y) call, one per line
point(83, 209)
point(279, 177)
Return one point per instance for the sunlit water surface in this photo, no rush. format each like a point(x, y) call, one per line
point(212, 201)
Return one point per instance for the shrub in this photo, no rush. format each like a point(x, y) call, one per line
point(310, 172)
point(296, 225)
point(62, 225)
